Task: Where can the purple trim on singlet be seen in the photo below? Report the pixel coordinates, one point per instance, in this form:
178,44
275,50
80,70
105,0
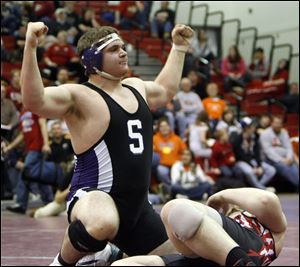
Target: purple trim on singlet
93,169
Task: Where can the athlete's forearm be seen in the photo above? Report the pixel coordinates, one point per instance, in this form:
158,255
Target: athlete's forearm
170,75
31,81
263,204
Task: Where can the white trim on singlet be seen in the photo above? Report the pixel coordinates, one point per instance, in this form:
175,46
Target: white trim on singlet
105,171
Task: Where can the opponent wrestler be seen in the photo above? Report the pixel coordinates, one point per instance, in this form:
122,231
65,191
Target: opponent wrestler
111,132
250,234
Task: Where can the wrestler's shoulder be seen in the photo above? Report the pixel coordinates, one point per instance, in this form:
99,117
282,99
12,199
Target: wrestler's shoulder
135,82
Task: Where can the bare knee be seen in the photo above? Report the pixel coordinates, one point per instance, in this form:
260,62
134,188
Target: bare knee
184,220
100,220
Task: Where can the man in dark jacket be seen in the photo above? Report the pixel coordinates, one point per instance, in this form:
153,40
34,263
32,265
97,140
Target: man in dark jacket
247,150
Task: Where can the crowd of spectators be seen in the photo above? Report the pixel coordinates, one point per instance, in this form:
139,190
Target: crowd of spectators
200,146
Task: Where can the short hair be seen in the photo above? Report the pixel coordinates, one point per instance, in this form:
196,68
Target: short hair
279,117
259,49
161,120
220,133
92,36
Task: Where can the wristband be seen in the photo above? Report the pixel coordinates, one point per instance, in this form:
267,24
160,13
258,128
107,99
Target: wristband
180,48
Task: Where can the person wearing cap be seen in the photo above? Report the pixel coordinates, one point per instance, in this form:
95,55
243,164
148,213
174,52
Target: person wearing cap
111,131
248,151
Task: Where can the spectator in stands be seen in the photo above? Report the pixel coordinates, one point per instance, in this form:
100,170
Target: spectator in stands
130,15
63,154
259,69
35,136
44,11
72,16
169,146
87,21
233,69
229,123
199,134
62,76
204,57
61,21
13,91
188,180
214,105
279,152
20,34
10,17
190,102
291,100
264,122
175,115
280,76
198,82
222,159
61,54
248,152
72,19
9,115
223,164
163,21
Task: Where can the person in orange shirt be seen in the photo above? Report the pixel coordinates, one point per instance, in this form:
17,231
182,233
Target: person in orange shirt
213,105
169,146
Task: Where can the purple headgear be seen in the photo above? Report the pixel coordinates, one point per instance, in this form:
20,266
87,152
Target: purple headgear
92,57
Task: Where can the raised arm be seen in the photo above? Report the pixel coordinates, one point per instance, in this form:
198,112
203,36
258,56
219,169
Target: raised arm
263,204
52,102
165,86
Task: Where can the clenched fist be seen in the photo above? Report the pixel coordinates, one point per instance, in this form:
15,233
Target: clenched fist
35,32
182,35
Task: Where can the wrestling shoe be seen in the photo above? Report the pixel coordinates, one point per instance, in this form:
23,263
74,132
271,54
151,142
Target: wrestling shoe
104,257
55,262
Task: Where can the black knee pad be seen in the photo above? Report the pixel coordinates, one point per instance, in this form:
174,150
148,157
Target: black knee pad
82,240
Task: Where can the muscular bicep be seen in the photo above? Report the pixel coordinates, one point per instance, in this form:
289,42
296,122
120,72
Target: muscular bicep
157,95
57,102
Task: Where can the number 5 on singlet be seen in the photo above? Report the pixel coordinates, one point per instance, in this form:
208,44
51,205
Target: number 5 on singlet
140,147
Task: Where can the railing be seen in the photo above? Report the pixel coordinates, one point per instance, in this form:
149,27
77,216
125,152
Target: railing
215,13
248,29
197,6
238,25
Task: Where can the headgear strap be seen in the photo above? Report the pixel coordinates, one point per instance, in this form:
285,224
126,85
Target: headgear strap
89,57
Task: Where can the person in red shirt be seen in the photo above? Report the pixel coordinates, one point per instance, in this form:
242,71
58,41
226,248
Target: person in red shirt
223,160
280,76
60,54
35,136
13,91
131,14
233,69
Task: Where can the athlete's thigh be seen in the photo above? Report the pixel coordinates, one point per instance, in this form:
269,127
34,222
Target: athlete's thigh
147,234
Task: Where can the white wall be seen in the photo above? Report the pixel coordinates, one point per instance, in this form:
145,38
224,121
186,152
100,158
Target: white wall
280,19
